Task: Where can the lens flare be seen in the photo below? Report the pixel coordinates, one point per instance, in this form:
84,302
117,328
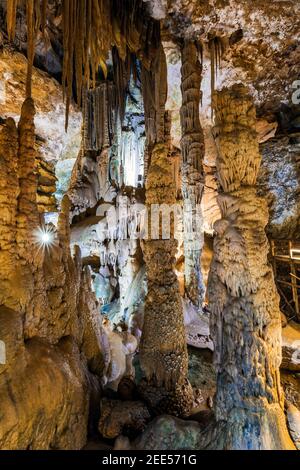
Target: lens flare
45,237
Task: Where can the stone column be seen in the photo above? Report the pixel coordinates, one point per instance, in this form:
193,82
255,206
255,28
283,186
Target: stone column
192,151
245,319
9,191
163,350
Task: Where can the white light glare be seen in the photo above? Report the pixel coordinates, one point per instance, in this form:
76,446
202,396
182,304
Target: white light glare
44,237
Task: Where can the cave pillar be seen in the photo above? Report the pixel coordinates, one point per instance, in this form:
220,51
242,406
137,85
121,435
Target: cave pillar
163,350
192,154
9,191
244,304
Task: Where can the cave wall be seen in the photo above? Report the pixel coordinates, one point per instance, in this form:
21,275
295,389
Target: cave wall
49,321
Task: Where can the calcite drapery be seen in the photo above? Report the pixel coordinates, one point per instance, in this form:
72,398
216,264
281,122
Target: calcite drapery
245,319
163,351
192,149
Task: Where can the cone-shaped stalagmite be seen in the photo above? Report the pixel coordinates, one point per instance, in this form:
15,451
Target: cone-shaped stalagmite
192,146
243,300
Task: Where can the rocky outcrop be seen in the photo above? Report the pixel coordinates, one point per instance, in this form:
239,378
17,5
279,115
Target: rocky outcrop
245,321
167,432
47,180
192,150
163,339
122,416
49,320
50,109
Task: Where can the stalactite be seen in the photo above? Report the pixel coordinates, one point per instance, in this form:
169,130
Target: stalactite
100,115
90,29
121,73
11,18
244,304
192,150
44,15
154,90
216,48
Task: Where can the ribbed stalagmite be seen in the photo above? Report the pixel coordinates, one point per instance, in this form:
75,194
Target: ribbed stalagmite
192,149
163,352
245,320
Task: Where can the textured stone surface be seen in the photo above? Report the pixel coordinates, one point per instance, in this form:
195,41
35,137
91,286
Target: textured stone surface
49,319
50,109
192,155
163,340
169,433
119,417
246,321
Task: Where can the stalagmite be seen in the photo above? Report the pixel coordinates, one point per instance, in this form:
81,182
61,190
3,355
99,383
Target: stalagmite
192,147
245,320
163,351
9,191
28,218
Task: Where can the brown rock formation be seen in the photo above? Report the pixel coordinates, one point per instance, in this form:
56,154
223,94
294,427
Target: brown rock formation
154,90
192,147
163,351
245,321
49,320
118,416
46,185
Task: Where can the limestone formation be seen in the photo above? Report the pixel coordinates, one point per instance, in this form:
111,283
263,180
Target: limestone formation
117,417
245,321
46,188
47,301
192,150
163,339
106,321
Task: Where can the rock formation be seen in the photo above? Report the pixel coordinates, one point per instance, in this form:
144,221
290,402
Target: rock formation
245,322
46,299
106,321
163,339
192,150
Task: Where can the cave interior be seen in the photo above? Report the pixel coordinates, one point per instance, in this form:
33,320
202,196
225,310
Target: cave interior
149,225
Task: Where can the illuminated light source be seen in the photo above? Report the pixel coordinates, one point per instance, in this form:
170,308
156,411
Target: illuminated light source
295,253
44,237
